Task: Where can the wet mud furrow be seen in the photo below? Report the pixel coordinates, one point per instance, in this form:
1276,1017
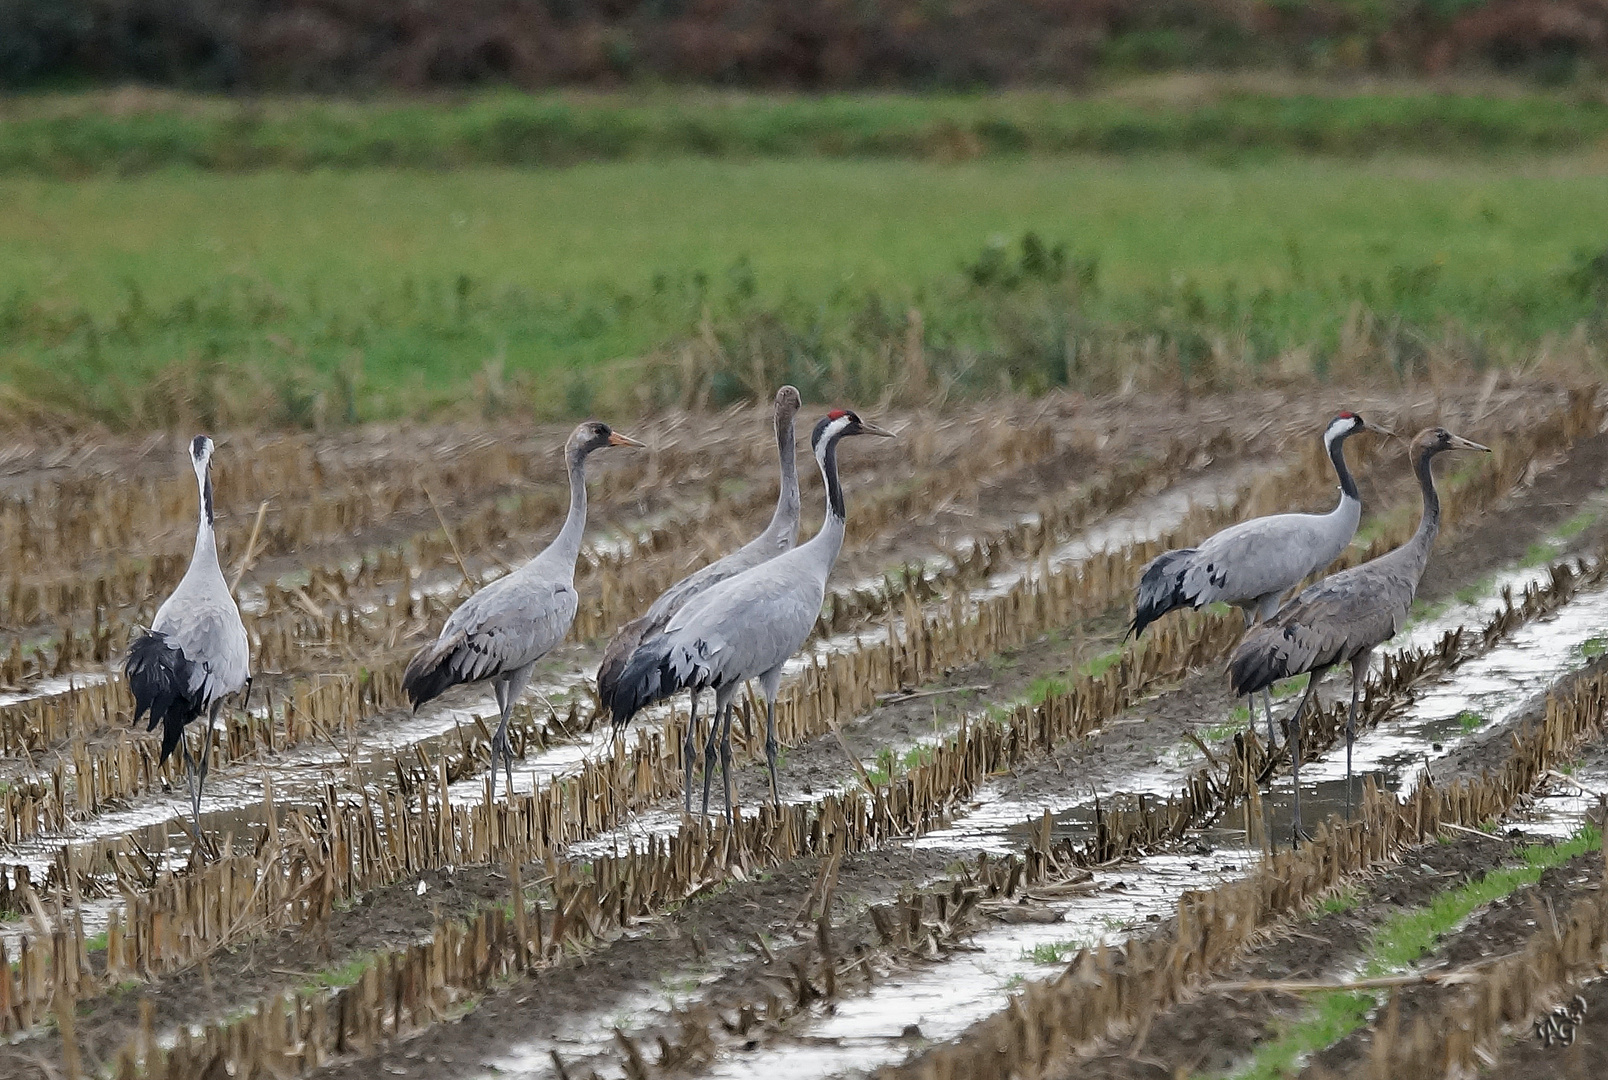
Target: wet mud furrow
439,788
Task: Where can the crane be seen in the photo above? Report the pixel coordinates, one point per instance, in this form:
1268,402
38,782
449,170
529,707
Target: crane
196,652
1254,563
749,625
779,536
1343,618
500,632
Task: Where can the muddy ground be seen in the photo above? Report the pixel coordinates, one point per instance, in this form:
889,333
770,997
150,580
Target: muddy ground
712,951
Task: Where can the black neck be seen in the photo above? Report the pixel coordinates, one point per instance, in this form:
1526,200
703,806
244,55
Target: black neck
1337,455
206,496
1426,484
829,470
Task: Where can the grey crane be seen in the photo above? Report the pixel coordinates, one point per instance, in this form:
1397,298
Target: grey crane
1254,563
1343,618
196,652
749,625
500,632
779,536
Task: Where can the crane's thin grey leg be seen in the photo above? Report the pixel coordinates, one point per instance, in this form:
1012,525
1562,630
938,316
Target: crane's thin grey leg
769,684
190,774
1266,607
771,749
725,766
206,759
1359,673
689,750
710,745
1297,833
499,687
508,688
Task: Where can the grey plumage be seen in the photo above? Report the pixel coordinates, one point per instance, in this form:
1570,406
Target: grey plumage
1343,618
749,625
1254,563
500,632
779,536
196,652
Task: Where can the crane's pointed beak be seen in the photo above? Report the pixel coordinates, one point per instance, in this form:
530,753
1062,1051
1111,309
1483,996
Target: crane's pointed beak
616,439
872,429
1459,443
1379,430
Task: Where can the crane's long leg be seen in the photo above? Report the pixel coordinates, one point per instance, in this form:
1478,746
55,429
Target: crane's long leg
689,750
508,689
499,687
770,683
1297,833
190,785
1359,673
725,766
710,745
1263,609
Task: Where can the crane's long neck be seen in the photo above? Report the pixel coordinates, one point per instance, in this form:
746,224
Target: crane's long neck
566,546
825,545
783,527
1418,547
206,540
1337,456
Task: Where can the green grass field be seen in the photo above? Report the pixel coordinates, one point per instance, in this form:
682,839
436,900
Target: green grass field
393,290
128,131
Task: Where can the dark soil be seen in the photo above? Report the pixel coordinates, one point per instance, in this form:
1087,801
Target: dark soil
1213,1031
1496,930
711,941
1586,1059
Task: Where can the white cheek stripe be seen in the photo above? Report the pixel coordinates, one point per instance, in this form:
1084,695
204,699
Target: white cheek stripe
826,436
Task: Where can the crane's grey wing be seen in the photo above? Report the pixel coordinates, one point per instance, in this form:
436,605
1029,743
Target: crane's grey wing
1329,623
509,627
208,632
510,623
677,596
1255,558
744,628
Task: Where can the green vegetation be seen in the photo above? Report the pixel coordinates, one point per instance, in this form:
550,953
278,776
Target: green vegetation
324,297
892,764
1338,903
1594,647
1052,952
343,974
1469,720
1228,729
1538,553
71,135
1474,592
1577,524
1396,945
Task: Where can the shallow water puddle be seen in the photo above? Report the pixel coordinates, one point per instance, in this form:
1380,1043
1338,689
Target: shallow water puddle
941,999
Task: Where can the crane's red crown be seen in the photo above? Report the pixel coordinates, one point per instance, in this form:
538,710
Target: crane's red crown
1347,416
837,414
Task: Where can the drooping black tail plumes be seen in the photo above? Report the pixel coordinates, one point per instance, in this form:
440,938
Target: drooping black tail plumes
615,658
432,671
1161,588
159,678
1259,662
647,678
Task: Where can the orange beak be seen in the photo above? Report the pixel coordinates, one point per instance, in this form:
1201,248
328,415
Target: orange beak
616,439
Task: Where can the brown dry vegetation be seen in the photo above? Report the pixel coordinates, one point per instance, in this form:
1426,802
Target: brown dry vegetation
362,891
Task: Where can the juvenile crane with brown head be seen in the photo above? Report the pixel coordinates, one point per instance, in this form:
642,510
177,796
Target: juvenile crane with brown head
1343,618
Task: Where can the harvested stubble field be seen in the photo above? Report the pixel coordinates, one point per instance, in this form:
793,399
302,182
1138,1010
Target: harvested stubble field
1051,857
